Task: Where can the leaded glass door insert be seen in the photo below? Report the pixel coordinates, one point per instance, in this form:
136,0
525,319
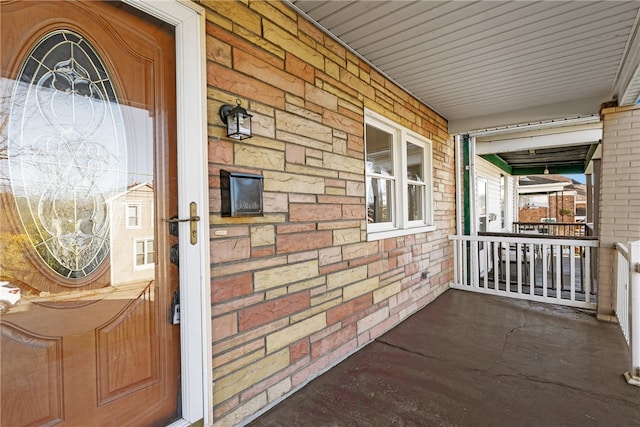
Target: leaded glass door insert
67,153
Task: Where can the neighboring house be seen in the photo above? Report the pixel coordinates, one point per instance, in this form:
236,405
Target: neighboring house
132,234
551,198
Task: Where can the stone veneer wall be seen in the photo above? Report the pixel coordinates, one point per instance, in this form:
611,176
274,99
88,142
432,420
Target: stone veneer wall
299,289
619,196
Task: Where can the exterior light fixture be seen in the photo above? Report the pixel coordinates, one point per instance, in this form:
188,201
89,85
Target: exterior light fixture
546,170
238,121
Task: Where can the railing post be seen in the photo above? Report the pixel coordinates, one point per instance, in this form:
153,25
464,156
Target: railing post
633,376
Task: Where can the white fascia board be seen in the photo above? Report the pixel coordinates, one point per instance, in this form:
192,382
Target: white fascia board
564,139
542,188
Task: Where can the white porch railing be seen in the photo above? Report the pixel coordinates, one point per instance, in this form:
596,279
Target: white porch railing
553,270
628,303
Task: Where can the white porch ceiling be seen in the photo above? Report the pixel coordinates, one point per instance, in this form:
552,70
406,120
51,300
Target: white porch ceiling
486,64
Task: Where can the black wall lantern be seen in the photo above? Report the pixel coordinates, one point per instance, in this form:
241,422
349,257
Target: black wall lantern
238,121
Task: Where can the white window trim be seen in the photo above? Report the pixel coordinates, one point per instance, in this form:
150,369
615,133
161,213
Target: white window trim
188,18
139,215
146,265
401,226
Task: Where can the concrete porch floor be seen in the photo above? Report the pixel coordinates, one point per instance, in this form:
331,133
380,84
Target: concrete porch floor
476,360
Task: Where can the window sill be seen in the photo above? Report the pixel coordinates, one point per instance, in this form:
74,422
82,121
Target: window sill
379,235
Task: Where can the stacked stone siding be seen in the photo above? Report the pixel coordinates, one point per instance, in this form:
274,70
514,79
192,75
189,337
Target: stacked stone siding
619,196
300,288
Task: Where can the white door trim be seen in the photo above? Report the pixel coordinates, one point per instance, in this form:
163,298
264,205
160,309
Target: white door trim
195,309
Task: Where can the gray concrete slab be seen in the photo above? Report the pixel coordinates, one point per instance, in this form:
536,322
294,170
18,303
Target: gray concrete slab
476,360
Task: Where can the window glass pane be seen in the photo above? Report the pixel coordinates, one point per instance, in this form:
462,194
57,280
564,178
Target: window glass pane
132,215
379,151
150,252
416,202
415,159
380,200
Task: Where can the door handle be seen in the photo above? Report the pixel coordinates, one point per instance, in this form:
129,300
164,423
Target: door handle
192,220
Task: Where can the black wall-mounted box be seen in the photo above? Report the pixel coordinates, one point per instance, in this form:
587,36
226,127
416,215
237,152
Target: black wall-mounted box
241,194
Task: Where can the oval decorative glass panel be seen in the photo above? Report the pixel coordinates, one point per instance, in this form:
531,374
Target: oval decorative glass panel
67,153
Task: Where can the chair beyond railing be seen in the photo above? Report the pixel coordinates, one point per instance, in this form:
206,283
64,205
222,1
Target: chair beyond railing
628,303
577,229
545,268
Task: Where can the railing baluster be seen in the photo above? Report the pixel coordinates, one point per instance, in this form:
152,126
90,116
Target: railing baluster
545,268
532,268
572,267
496,273
558,272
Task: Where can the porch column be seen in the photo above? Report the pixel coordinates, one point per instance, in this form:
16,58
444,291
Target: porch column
616,188
589,206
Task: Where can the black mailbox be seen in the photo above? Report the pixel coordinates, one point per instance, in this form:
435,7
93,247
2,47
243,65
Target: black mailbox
241,194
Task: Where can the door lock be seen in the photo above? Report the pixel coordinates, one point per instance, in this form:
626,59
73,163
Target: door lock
192,220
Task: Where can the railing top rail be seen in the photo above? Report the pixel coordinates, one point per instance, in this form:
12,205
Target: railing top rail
551,223
538,236
520,238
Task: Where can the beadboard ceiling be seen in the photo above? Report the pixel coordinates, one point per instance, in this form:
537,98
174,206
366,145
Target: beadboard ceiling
486,64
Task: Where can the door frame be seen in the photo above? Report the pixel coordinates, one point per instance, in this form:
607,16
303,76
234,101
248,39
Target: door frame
195,293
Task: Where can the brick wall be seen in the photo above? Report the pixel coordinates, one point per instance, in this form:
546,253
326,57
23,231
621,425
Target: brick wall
557,201
297,290
619,196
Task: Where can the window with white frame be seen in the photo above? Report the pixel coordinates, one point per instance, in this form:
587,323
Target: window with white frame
133,211
398,179
144,254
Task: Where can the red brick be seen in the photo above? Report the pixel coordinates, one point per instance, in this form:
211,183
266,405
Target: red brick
221,150
218,51
244,86
295,228
230,287
240,43
274,309
338,313
224,326
267,73
230,250
338,183
340,121
262,252
309,29
332,268
365,260
299,350
305,212
333,341
303,241
299,68
353,211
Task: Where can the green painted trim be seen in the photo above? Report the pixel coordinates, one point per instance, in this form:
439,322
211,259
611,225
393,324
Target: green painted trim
496,160
467,200
466,185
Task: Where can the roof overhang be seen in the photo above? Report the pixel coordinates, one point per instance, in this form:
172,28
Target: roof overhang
564,147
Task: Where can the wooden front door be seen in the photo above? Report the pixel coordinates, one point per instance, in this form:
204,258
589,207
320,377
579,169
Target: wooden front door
87,182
